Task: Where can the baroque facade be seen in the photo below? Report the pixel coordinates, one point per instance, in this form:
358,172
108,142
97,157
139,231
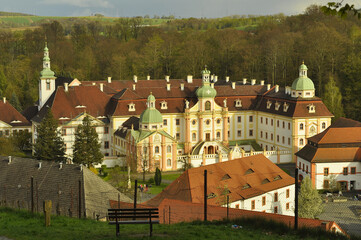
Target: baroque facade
167,123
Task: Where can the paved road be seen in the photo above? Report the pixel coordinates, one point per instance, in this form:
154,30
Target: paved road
344,214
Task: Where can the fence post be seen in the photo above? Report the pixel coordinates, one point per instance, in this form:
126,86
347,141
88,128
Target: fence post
296,198
205,195
32,194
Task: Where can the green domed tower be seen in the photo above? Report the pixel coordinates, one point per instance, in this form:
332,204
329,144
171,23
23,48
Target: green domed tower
303,86
151,118
206,91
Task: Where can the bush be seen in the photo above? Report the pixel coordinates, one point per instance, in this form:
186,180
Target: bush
158,177
150,181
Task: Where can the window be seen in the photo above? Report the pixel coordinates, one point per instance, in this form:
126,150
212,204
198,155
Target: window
275,209
306,168
163,105
47,85
106,130
278,138
278,123
277,106
194,137
283,124
263,200
239,118
266,121
250,118
253,204
261,119
271,136
326,184
208,105
177,135
229,134
261,134
301,126
269,104
165,122
266,135
208,121
303,167
169,149
353,170
239,133
106,144
194,122
323,125
238,103
131,107
287,193
289,126
7,132
285,107
237,206
63,131
299,167
345,170
218,134
177,122
275,197
287,206
154,126
251,133
289,141
283,139
301,141
271,122
156,149
218,121
169,162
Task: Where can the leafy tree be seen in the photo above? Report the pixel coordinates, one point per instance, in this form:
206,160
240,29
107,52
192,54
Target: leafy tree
309,201
3,82
14,101
157,177
22,140
340,9
333,98
86,149
49,145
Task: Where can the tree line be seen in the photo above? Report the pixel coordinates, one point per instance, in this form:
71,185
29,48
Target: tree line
272,50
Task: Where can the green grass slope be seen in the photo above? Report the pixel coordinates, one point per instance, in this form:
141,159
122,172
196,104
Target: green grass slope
23,225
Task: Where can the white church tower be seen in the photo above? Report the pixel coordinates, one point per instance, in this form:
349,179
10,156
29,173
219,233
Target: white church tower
47,80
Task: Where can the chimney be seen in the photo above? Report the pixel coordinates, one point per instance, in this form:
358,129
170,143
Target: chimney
253,81
167,78
277,88
135,78
262,82
189,79
109,79
168,86
227,79
244,81
81,167
4,99
182,86
215,78
9,160
212,85
93,83
148,77
268,87
39,165
66,87
134,87
101,85
60,165
233,85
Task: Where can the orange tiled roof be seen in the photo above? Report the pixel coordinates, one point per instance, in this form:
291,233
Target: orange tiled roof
11,116
324,155
234,175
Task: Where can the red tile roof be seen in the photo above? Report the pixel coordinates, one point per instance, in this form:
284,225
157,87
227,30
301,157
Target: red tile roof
11,116
189,186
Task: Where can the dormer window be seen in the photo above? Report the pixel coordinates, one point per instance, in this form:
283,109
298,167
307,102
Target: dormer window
311,108
163,105
238,103
269,104
249,171
285,107
277,106
246,186
131,107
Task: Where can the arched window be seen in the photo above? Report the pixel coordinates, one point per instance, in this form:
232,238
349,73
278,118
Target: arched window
169,149
218,135
194,136
301,126
301,142
208,105
145,150
156,149
169,162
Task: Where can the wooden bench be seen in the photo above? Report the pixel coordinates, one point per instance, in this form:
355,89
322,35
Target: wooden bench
133,216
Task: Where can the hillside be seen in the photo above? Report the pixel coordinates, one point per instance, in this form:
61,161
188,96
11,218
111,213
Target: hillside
26,226
13,14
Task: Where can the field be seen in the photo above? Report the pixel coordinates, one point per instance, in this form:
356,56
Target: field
19,224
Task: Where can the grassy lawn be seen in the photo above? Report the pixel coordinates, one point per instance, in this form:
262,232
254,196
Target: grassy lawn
170,176
24,225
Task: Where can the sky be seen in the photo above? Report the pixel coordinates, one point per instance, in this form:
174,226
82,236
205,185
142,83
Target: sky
178,8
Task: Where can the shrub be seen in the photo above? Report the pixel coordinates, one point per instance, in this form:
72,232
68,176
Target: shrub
158,177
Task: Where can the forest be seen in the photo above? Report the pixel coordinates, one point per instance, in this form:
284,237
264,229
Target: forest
269,48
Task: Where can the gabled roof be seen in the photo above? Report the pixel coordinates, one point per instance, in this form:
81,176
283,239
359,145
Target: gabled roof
189,186
9,115
333,154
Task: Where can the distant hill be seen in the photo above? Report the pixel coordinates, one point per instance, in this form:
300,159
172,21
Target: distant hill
14,14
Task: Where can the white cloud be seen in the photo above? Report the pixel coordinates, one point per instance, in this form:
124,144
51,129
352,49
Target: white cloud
79,3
